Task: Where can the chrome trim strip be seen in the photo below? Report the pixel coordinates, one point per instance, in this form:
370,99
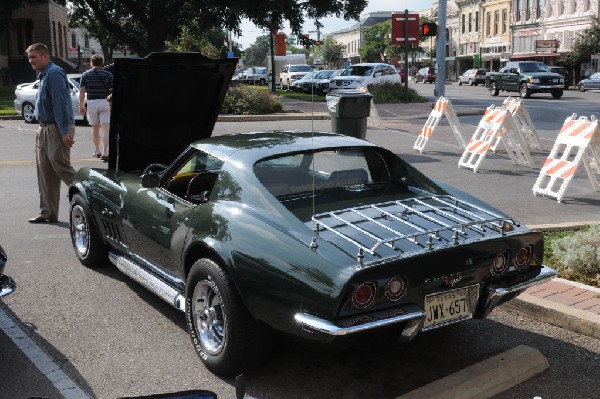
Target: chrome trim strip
310,322
546,274
151,282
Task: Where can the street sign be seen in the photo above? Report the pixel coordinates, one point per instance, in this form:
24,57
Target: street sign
400,33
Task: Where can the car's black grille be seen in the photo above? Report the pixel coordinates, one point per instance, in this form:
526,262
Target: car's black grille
549,81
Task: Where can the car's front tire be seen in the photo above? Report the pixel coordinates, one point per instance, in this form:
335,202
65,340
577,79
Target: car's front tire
524,91
226,338
494,89
557,93
459,82
27,113
86,240
581,87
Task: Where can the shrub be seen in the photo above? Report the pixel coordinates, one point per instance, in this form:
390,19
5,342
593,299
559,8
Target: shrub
393,93
250,100
579,253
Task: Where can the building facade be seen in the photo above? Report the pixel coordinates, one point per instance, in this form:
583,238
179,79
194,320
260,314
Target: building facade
496,34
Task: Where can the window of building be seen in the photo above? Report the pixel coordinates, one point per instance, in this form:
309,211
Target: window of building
488,23
86,41
538,10
470,22
528,11
73,40
462,24
476,21
550,9
496,22
504,20
518,6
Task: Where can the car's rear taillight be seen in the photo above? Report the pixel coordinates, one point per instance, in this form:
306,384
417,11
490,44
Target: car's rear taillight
396,288
523,256
500,264
363,295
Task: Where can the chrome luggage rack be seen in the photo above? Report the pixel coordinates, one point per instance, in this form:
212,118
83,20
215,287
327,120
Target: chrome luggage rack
406,225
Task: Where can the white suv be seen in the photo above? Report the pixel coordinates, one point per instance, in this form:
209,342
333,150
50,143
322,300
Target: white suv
359,75
290,73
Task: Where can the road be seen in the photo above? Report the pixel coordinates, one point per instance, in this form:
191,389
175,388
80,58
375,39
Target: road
112,338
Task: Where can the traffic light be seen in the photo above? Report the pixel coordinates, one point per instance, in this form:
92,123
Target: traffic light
428,29
305,41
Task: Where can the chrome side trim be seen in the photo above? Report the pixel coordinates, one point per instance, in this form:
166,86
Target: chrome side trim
313,323
152,283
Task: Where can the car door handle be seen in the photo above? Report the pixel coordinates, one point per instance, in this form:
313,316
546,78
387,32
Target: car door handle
106,212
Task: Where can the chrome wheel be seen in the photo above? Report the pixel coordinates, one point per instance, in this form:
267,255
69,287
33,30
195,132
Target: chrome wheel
80,231
28,113
209,317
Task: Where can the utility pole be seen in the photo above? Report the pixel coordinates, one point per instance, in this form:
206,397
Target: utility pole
440,51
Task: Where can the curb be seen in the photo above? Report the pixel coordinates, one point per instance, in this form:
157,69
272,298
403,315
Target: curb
486,378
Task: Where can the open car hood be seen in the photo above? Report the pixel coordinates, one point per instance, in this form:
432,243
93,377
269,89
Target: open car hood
161,104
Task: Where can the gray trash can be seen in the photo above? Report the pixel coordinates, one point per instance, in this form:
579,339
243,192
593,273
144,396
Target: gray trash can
349,110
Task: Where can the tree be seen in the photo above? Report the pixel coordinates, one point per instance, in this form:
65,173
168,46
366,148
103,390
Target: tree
256,54
211,43
587,44
331,52
146,25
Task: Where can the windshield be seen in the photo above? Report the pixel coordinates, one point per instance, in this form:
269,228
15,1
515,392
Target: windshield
300,68
323,74
534,67
261,71
358,70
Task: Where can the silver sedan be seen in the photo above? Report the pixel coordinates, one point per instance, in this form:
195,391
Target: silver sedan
25,100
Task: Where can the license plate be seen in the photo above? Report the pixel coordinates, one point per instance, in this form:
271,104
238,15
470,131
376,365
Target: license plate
447,307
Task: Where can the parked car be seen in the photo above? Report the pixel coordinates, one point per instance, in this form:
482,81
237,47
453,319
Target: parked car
76,77
310,85
317,235
296,85
562,72
591,83
402,73
526,78
25,100
255,75
425,75
292,72
473,77
7,284
322,86
364,74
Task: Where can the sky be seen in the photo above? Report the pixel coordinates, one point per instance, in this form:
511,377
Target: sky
250,31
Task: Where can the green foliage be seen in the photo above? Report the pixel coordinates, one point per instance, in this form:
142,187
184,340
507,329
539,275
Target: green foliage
393,93
193,39
575,254
250,100
7,95
256,54
332,51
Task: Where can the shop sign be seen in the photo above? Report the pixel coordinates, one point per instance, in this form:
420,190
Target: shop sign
546,45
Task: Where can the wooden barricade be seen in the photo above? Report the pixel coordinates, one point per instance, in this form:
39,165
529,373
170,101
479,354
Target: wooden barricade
442,106
577,142
494,123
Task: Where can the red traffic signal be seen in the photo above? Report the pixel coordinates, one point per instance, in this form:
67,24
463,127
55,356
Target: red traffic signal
428,29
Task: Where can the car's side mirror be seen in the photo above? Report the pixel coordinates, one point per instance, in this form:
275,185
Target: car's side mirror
513,70
150,180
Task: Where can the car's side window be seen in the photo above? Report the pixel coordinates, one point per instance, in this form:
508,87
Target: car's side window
195,179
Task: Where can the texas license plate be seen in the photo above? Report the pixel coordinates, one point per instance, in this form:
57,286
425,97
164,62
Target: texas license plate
447,307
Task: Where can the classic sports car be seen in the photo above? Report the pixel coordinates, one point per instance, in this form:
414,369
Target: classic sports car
318,235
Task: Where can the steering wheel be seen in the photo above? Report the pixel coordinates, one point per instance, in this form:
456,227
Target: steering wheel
154,168
199,188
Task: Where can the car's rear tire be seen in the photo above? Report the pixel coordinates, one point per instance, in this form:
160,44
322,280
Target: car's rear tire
470,82
581,87
524,91
226,338
27,112
86,240
557,93
494,89
459,82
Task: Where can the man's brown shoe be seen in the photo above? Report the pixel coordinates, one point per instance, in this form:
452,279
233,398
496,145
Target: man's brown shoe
40,219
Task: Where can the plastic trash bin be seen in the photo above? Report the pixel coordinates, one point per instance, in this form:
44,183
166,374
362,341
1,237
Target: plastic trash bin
349,111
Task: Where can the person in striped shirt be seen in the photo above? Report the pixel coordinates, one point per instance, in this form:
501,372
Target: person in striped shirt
97,84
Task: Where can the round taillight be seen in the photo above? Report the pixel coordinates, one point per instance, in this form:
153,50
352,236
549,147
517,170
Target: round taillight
363,295
522,257
500,264
396,288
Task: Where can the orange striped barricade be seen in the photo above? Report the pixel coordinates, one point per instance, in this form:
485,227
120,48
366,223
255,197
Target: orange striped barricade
521,116
495,122
442,106
578,140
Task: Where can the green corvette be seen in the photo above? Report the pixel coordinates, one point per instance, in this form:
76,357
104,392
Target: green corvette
317,235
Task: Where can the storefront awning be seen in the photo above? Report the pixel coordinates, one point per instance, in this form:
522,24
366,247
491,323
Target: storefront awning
534,55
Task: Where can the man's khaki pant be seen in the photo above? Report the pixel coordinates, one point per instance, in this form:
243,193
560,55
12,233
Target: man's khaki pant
53,158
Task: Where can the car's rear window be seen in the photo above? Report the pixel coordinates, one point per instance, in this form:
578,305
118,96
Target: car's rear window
300,68
358,70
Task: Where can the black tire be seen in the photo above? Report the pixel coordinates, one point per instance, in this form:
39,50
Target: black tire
557,93
470,82
459,82
224,335
494,89
581,87
27,112
524,91
86,240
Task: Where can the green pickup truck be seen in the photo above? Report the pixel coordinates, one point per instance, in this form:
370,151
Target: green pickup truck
527,78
